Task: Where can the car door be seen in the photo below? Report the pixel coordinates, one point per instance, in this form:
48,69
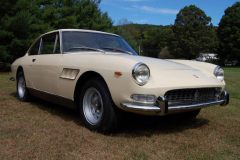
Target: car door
44,68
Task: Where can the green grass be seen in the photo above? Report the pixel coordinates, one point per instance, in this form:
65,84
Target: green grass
41,130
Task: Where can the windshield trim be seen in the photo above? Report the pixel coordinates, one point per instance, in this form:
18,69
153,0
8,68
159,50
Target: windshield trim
127,49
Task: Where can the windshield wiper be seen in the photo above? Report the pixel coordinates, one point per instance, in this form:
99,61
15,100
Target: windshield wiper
117,49
87,48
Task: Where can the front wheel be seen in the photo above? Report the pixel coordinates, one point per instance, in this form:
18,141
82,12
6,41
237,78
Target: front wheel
97,109
23,93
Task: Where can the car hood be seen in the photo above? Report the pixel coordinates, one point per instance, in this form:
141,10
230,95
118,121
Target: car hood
159,64
164,74
167,74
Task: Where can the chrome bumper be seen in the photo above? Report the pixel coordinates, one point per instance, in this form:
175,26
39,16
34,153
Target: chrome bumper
161,107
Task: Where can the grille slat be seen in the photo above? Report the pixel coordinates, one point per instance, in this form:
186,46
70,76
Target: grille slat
191,96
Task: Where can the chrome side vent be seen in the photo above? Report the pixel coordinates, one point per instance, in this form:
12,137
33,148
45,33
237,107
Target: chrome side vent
68,73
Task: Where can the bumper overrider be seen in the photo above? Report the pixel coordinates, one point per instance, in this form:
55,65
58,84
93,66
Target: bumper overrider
161,106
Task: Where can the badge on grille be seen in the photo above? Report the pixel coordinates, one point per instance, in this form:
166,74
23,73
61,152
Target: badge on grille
196,94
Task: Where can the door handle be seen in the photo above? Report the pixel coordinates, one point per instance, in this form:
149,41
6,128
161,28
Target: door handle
33,60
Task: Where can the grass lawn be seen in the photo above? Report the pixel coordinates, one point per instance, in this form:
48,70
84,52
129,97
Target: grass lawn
41,130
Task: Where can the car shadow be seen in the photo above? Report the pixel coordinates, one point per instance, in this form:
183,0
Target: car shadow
67,114
139,125
132,125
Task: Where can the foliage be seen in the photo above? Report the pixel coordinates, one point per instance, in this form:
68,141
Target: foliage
192,34
229,33
145,27
22,21
155,39
129,27
125,35
165,54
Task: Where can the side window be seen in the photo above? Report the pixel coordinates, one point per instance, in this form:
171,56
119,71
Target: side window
35,48
50,44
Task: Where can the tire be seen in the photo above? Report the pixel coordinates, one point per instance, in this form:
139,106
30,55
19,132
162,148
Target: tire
97,109
191,114
23,93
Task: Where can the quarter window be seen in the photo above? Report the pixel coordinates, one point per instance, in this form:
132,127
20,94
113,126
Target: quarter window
50,44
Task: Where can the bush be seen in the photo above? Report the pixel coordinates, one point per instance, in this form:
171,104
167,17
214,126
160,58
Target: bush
165,54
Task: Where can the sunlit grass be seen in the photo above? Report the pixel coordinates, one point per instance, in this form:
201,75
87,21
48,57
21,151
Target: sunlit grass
41,130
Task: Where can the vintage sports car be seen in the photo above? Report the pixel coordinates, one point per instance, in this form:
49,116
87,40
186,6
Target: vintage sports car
99,74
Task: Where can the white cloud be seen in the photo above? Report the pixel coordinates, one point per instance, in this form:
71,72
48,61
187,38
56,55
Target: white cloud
156,10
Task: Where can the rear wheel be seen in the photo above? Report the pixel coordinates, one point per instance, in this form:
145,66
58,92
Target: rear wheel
97,109
23,93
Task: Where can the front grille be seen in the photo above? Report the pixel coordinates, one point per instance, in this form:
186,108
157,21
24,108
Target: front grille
191,96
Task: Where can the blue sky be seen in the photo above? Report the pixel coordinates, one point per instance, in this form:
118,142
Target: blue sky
161,12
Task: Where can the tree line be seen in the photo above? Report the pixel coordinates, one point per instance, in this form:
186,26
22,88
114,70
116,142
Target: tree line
191,34
22,21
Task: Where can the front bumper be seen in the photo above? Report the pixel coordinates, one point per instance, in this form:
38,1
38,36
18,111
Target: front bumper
161,106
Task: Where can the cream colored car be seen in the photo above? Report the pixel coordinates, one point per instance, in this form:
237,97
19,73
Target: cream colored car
100,74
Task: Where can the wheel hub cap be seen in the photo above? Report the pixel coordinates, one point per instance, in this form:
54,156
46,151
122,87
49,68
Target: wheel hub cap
92,106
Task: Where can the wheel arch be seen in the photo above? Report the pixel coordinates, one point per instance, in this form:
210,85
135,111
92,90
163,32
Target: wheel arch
82,80
20,68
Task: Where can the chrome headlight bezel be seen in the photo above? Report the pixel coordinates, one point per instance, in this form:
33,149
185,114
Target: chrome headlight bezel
217,73
138,80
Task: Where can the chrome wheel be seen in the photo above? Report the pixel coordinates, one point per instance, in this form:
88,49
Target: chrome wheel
21,87
92,106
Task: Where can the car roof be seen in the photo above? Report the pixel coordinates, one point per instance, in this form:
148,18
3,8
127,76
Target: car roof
81,30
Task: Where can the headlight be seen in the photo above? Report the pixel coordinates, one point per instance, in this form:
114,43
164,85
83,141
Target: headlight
219,73
141,73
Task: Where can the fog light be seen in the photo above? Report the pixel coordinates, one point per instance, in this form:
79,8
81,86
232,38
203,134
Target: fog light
144,98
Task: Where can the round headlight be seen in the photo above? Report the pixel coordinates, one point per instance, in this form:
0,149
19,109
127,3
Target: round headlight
219,73
141,73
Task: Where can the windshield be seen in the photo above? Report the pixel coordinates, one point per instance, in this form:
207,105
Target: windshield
74,41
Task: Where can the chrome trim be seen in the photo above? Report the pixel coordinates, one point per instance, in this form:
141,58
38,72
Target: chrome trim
57,99
139,107
134,73
226,98
161,106
50,93
183,108
55,43
40,46
60,40
69,69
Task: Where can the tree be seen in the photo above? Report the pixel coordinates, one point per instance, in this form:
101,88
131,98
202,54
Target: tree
125,35
155,39
130,28
192,34
229,33
19,26
22,21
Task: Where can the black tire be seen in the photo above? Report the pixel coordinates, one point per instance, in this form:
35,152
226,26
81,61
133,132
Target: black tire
191,114
23,94
109,113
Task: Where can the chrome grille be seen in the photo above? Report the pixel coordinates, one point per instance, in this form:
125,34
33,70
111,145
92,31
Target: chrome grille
191,96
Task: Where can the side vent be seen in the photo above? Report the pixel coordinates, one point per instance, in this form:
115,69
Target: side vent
68,73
